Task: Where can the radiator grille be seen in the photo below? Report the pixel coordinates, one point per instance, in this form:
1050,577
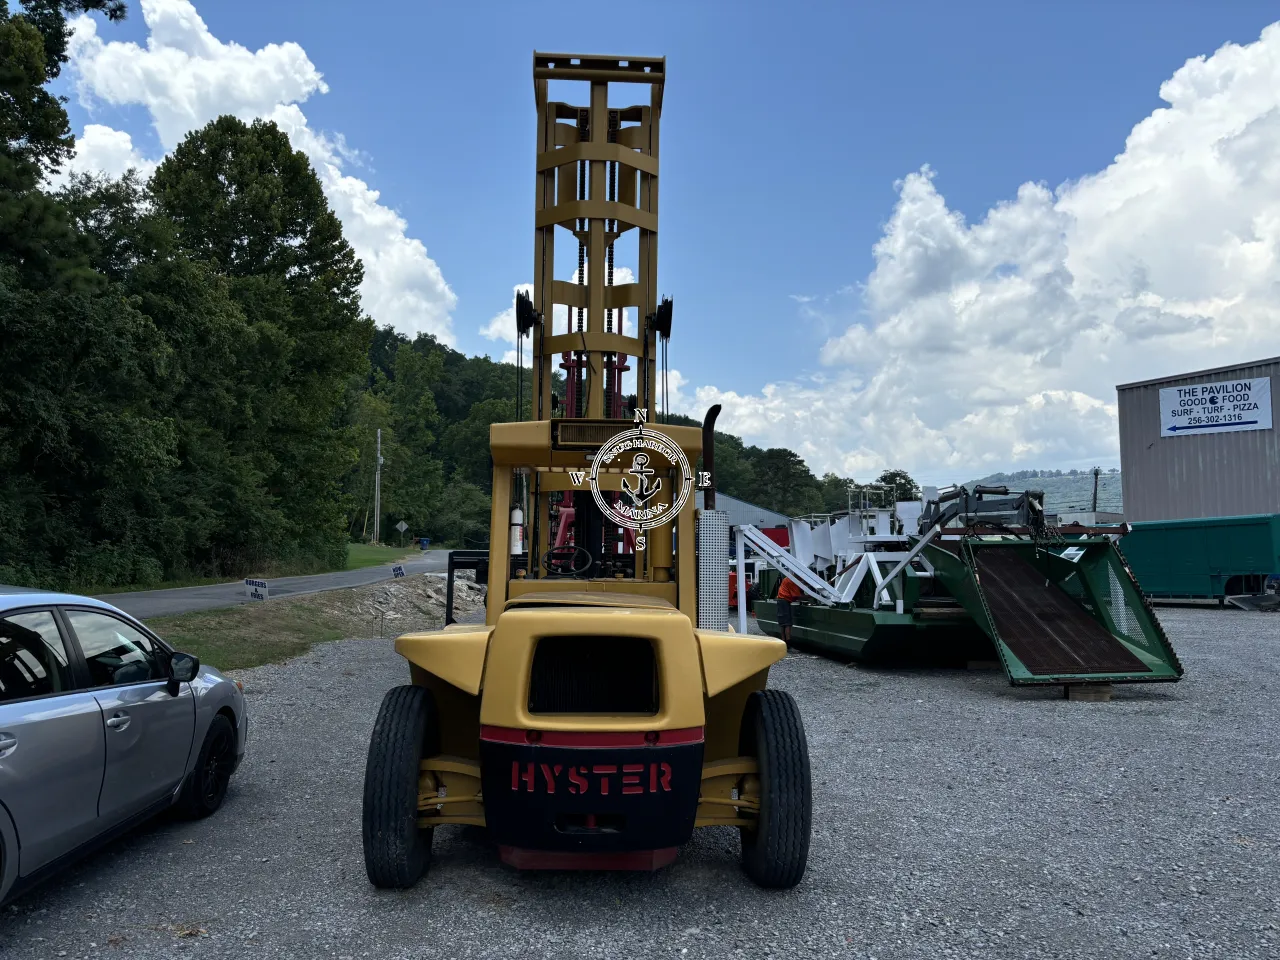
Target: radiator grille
592,434
594,675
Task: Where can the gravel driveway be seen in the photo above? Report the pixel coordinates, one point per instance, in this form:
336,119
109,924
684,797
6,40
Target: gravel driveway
956,817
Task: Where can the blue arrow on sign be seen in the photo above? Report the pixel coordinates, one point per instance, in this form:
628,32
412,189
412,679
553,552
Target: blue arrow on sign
1210,426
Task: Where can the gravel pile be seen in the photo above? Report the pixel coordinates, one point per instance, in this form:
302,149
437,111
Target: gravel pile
393,607
955,817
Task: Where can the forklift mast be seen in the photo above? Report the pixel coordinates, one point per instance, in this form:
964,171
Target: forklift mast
596,191
596,179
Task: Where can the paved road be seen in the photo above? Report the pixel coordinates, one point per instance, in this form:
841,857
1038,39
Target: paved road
955,817
160,603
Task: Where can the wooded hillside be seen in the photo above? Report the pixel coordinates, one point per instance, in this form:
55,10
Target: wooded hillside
189,385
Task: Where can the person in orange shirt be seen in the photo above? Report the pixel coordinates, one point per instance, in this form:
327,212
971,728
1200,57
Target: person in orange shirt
788,593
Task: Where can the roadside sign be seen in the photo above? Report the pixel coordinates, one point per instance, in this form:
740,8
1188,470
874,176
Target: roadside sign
256,589
402,526
1239,403
397,571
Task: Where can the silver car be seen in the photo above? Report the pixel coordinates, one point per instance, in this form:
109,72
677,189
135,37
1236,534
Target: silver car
102,725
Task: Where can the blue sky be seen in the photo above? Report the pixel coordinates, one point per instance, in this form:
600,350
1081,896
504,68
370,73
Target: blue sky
785,129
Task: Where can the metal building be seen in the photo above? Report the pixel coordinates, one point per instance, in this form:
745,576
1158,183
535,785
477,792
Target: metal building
1201,444
741,512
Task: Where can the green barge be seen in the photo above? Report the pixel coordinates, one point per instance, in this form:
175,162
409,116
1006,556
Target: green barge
1050,610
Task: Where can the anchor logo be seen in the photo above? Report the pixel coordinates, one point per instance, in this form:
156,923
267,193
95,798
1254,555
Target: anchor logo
637,509
643,492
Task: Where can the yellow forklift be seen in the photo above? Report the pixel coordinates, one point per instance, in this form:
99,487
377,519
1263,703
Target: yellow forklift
604,709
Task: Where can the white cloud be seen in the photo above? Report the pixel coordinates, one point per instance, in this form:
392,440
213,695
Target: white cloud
998,344
101,149
185,77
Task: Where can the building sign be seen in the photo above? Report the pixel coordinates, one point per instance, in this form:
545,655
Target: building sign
1225,406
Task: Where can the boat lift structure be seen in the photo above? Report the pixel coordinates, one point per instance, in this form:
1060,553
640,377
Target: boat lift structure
985,576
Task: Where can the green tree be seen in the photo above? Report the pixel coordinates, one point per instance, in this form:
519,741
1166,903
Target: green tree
35,238
383,348
372,412
901,485
33,48
417,477
83,449
400,399
466,444
462,517
242,199
412,399
472,379
441,405
734,474
835,493
217,512
785,483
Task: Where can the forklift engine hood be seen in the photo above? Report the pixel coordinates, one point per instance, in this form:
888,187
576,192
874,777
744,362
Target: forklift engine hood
458,653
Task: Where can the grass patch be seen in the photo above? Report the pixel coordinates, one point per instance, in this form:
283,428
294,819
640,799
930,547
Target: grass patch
250,635
360,555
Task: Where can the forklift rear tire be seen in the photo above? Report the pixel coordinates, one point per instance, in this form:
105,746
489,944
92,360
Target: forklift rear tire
396,849
776,849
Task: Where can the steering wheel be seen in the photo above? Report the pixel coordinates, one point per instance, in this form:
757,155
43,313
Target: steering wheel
567,560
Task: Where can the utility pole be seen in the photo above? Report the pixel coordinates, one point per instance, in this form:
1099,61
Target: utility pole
377,491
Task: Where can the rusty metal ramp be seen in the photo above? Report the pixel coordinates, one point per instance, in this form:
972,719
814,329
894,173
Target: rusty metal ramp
1066,613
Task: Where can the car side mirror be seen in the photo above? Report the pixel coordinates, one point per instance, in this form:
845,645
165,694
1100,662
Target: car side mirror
183,668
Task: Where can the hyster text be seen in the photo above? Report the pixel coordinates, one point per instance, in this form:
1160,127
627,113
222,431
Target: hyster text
605,779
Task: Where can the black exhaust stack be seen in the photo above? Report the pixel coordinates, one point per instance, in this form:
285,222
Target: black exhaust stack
709,456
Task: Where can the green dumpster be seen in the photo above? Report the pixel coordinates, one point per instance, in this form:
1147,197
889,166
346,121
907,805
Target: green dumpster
1210,557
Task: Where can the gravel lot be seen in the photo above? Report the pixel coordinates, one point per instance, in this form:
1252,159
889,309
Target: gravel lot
956,817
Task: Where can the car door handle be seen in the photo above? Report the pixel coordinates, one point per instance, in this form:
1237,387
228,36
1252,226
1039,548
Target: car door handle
119,721
8,742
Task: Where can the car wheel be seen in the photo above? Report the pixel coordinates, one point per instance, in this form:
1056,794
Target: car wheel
207,786
396,849
776,849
